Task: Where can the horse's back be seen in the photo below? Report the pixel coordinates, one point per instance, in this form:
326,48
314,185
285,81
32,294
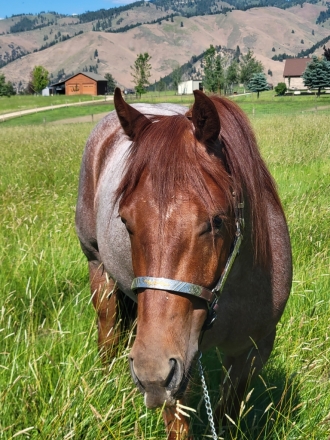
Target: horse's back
102,235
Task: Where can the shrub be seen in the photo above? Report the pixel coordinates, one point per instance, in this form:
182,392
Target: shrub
281,88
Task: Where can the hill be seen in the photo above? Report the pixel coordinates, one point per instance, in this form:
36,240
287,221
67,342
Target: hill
189,8
171,41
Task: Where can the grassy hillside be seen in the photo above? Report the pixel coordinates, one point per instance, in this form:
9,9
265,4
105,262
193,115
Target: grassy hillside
52,384
21,35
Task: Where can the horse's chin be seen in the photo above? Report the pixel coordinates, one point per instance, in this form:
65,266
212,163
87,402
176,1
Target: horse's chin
159,397
152,400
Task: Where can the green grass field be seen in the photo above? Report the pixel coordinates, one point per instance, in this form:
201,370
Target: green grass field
52,384
25,102
267,104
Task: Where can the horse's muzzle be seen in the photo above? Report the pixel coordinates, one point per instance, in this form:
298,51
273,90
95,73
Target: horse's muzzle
159,382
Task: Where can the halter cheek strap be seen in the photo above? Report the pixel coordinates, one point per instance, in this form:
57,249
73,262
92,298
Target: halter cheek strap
211,296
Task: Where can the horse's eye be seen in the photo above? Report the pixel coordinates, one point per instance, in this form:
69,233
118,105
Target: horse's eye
126,225
217,222
212,226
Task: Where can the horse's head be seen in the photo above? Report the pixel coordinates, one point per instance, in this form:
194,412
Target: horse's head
176,203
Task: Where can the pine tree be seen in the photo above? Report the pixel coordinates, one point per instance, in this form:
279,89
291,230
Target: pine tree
326,53
317,74
258,83
111,83
237,53
249,66
161,85
176,76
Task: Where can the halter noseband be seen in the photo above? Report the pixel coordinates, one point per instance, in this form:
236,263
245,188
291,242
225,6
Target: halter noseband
211,296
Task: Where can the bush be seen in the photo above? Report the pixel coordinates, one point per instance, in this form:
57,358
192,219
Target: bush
281,88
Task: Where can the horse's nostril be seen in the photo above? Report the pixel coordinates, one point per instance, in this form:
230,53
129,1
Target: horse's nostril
134,376
175,375
146,376
170,376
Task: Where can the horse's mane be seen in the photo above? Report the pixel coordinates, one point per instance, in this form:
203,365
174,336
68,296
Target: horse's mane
251,178
169,151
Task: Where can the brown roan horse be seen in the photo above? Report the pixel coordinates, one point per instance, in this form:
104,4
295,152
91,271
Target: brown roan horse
178,212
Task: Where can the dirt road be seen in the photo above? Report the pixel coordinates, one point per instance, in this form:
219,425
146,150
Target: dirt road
17,114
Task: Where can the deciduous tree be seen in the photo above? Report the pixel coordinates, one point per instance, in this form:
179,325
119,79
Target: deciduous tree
213,78
281,88
39,78
232,73
141,72
6,88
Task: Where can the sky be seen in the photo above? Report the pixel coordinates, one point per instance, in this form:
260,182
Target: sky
68,7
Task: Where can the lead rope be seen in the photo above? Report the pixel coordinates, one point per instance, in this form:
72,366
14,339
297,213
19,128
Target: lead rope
207,399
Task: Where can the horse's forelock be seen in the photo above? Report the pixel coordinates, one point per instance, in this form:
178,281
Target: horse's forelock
170,153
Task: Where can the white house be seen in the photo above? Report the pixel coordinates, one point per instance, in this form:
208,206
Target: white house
187,87
46,91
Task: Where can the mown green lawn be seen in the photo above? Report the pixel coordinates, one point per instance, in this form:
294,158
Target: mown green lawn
58,114
25,102
52,384
269,104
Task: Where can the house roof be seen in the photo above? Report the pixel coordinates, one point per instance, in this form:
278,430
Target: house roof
93,76
295,66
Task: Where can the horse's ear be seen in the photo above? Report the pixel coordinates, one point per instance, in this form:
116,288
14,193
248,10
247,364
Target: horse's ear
130,119
205,118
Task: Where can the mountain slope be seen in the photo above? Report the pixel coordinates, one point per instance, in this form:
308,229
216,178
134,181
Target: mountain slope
170,44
